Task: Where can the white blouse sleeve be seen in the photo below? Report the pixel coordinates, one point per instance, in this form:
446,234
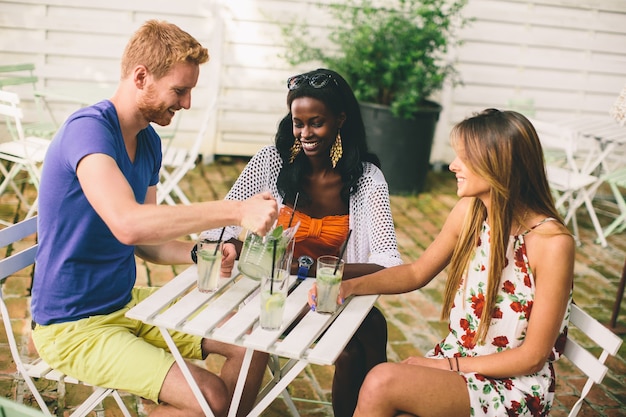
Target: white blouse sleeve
374,237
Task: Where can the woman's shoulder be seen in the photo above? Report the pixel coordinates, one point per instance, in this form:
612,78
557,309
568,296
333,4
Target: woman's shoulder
268,150
548,234
372,171
267,154
547,226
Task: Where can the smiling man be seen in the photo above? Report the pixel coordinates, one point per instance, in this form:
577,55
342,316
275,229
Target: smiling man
97,210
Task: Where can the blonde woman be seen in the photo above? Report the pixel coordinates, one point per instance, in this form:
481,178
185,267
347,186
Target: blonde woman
510,266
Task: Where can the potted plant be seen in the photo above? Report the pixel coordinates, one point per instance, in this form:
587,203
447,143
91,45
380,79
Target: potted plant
393,54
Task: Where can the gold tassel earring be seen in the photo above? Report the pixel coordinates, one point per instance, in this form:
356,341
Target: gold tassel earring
336,151
295,150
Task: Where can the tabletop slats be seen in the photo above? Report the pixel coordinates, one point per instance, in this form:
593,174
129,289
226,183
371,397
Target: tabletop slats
179,312
302,336
237,325
223,305
149,307
248,316
296,302
330,346
263,339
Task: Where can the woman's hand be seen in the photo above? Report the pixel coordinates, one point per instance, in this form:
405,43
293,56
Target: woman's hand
229,254
437,363
312,298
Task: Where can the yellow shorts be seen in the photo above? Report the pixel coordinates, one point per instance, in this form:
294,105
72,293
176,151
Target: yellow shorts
114,351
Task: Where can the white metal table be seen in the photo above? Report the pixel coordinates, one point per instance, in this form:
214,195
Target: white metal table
231,315
608,136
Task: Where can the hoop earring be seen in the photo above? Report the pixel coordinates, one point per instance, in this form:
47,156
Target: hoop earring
336,151
295,150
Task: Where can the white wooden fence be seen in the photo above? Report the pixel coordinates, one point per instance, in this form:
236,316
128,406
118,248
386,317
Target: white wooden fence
559,57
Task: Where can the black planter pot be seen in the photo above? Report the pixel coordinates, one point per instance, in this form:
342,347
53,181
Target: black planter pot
402,145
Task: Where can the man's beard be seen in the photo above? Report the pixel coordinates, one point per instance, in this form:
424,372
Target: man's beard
153,112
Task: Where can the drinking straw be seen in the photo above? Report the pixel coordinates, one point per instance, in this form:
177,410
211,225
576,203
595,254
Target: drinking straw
219,240
273,266
295,201
341,252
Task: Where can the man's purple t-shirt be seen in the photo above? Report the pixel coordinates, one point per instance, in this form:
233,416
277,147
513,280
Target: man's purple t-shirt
81,269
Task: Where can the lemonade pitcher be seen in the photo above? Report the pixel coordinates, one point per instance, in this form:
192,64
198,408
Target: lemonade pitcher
255,259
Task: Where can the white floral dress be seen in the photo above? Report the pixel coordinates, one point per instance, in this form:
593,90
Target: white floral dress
529,395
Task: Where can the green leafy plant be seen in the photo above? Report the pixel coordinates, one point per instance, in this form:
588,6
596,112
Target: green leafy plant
392,52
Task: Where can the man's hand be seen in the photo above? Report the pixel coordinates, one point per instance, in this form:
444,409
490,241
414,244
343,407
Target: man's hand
258,213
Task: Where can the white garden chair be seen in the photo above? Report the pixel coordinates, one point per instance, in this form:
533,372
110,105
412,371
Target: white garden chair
20,152
177,162
11,238
21,79
593,367
573,187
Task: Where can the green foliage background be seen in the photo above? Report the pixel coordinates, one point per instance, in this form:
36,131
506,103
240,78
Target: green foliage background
392,52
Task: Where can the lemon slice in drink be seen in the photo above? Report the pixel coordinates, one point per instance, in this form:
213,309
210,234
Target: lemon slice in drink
276,300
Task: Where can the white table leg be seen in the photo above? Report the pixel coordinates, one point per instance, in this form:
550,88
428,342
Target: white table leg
272,394
186,372
241,381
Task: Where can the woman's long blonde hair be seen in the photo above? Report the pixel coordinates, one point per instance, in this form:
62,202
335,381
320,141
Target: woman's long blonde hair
504,149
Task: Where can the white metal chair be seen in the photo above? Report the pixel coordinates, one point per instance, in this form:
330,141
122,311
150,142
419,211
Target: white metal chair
593,367
177,161
21,153
15,76
617,181
572,187
11,238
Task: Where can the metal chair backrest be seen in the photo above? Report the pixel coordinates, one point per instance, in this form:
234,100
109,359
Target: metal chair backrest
20,152
572,187
593,367
13,75
20,243
21,79
12,113
177,161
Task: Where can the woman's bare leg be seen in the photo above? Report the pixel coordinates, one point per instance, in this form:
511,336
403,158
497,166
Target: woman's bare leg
392,389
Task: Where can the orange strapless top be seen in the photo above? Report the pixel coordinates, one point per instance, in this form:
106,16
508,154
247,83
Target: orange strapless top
316,237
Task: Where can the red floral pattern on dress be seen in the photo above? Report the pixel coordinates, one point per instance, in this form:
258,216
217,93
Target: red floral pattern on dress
529,395
500,341
478,302
508,287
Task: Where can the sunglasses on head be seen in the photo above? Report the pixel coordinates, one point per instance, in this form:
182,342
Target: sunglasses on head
315,81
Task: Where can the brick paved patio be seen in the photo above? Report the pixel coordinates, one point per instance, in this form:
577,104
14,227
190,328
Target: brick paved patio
413,319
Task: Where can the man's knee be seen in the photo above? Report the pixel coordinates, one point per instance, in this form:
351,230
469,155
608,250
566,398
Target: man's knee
175,391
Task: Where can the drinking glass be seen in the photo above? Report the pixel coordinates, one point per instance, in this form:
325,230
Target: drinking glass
328,280
209,264
273,296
